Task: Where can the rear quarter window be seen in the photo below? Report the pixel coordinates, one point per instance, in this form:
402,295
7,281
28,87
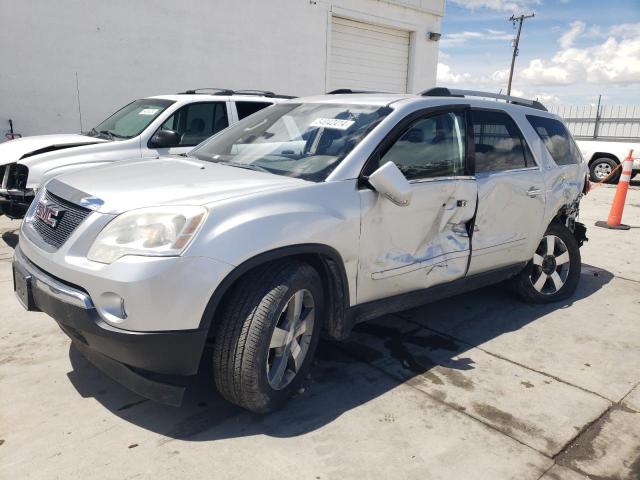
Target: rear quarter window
556,138
248,108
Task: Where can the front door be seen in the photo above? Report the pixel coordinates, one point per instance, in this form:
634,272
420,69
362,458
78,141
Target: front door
511,193
195,123
407,248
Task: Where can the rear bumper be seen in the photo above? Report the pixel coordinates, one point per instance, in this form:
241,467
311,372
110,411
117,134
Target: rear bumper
127,356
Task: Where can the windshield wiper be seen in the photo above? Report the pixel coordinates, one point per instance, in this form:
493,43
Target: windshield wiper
248,166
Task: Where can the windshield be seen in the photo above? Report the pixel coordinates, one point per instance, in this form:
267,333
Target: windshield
305,141
130,121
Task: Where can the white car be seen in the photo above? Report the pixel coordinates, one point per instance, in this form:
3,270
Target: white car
145,128
604,156
314,214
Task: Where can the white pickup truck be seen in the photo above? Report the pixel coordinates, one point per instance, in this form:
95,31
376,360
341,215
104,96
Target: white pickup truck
603,156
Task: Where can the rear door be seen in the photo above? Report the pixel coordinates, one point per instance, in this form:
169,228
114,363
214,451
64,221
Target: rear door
511,193
407,248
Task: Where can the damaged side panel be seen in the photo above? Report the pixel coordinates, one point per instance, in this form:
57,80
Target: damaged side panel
416,246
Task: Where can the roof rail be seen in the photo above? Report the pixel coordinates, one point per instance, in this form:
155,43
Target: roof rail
227,91
340,91
264,93
209,90
447,92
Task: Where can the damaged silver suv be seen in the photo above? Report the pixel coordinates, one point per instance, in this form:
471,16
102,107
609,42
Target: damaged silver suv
311,215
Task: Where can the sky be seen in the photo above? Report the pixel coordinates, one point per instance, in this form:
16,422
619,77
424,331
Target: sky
570,52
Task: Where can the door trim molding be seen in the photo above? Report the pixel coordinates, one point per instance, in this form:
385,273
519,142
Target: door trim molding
419,265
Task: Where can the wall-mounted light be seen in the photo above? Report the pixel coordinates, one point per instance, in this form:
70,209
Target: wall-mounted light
434,36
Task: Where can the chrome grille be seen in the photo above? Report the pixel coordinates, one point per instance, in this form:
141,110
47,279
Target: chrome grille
70,218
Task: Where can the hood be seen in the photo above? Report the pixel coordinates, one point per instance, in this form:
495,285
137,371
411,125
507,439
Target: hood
120,187
25,147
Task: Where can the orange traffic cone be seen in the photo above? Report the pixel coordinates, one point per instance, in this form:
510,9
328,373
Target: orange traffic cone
615,215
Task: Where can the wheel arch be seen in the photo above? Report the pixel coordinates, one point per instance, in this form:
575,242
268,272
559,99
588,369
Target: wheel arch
325,259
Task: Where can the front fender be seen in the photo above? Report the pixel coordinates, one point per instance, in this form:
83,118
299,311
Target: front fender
324,214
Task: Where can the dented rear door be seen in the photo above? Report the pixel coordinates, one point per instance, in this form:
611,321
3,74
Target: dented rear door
407,248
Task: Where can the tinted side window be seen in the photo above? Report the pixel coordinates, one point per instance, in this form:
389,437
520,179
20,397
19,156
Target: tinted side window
197,122
247,108
498,142
556,138
430,147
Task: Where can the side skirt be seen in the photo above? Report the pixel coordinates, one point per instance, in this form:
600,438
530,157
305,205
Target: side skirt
377,308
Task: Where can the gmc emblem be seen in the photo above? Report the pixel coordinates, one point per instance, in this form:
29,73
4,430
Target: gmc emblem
49,214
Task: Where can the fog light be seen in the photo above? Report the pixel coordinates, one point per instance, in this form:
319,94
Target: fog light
111,305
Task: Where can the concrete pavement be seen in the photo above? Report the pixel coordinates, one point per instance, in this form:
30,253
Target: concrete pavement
480,386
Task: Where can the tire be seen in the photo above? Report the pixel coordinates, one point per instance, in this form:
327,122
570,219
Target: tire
539,281
601,167
256,315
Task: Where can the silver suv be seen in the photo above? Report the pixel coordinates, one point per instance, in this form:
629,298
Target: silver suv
311,215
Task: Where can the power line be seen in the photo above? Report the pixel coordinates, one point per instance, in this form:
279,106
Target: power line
520,19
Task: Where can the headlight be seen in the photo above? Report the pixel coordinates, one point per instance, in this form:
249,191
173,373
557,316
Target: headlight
155,231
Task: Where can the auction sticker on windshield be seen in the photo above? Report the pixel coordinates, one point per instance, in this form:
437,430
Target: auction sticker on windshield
335,123
148,111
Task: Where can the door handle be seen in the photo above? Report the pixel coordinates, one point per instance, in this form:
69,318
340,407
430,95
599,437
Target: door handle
534,192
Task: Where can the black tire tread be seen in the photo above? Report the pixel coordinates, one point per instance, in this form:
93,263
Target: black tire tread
246,312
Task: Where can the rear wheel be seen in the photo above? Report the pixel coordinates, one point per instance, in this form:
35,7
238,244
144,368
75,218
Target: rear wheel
601,168
267,335
554,271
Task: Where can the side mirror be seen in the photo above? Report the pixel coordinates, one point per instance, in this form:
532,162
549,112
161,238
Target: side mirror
165,139
389,181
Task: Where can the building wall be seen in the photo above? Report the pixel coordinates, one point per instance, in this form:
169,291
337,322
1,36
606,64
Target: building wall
126,49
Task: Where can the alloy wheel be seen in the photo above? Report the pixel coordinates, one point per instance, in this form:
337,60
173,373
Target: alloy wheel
551,264
290,340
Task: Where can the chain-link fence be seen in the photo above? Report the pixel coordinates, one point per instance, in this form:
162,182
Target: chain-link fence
609,122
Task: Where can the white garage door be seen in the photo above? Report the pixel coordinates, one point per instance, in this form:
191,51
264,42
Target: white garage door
369,57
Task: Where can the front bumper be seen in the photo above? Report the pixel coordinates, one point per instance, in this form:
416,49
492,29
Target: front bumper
129,357
15,203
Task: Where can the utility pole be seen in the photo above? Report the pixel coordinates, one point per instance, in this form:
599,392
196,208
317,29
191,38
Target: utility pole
520,19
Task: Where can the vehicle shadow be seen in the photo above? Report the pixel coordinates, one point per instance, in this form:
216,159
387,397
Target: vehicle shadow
342,377
10,238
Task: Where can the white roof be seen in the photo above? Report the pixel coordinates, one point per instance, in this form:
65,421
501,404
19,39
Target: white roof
182,97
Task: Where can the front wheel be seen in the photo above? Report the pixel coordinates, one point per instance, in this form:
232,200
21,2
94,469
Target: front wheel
267,335
554,271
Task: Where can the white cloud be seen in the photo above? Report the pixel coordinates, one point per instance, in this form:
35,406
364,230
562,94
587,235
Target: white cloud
514,6
459,38
576,29
616,61
590,59
446,77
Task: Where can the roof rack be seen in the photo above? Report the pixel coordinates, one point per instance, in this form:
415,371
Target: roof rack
264,93
446,92
341,91
209,90
227,91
